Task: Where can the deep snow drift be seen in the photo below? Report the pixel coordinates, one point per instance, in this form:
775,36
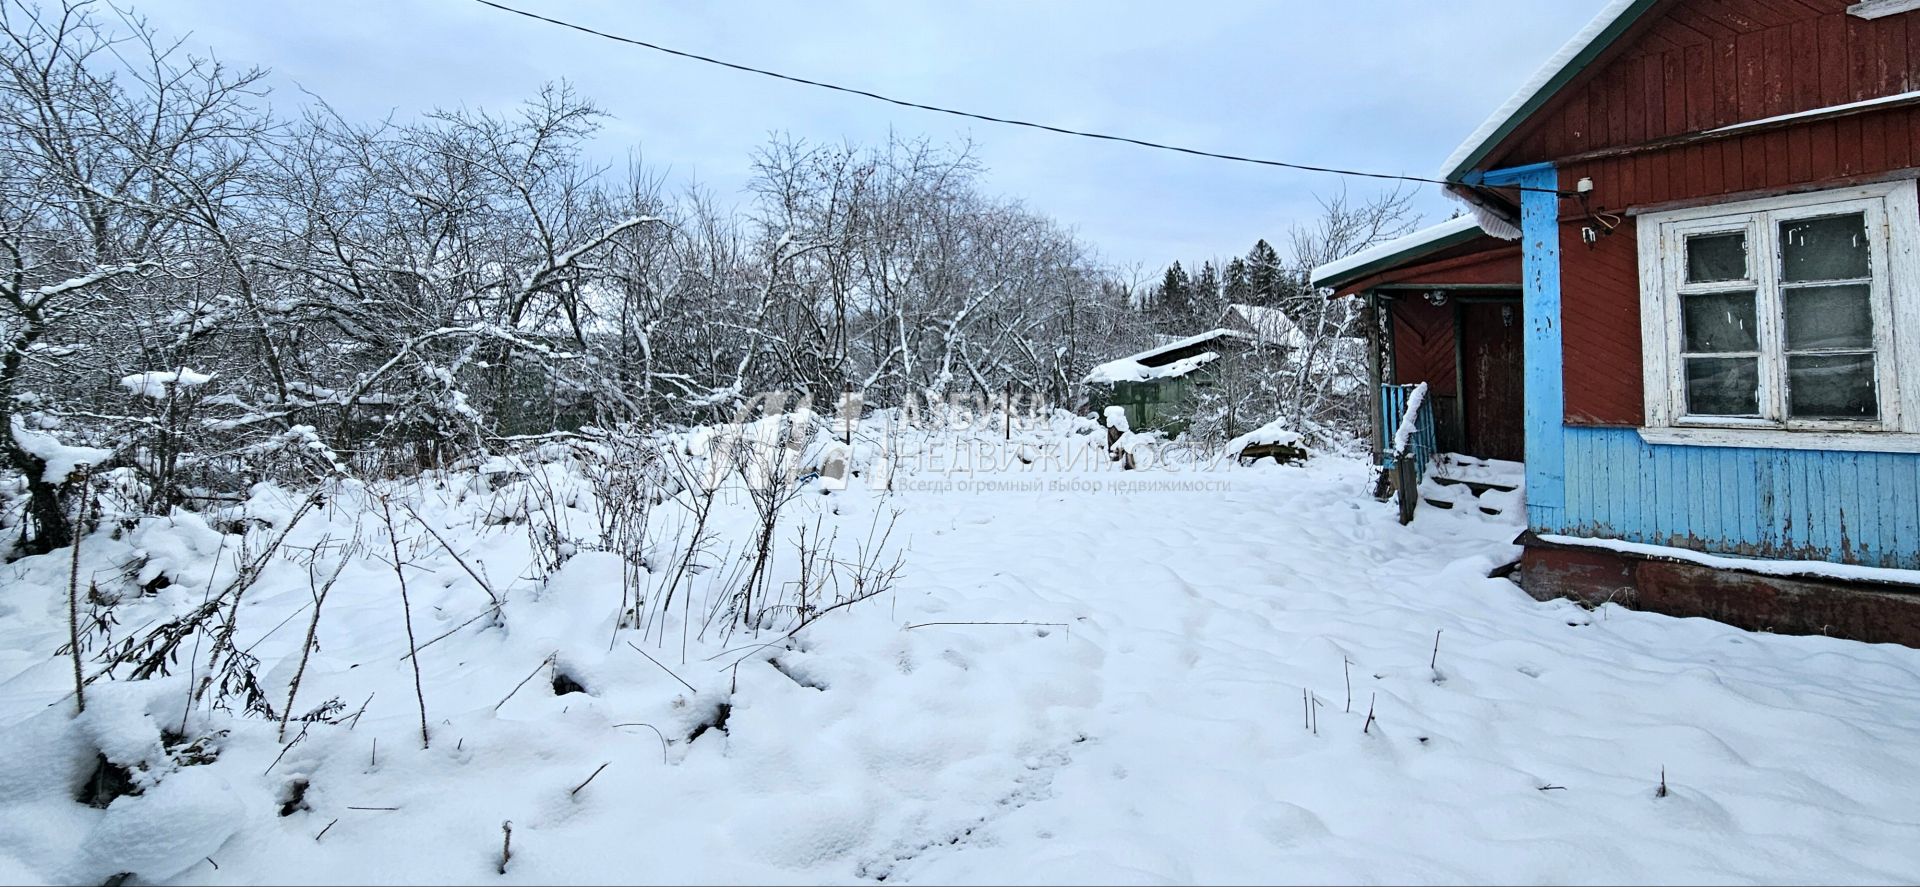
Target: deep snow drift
1070,680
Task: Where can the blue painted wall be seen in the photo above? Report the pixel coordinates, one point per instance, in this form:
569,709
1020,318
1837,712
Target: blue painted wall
1848,507
1861,508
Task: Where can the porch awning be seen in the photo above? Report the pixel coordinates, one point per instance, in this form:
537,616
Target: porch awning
1425,242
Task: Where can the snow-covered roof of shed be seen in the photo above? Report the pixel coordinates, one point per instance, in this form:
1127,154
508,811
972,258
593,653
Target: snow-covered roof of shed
1126,369
1436,237
1136,368
1187,342
1572,58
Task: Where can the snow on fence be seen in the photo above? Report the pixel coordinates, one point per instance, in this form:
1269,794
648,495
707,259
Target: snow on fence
1406,411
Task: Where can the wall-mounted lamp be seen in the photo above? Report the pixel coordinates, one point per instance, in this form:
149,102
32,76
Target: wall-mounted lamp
1436,298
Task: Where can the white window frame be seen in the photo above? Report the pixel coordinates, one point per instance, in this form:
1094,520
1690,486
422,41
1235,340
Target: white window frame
1892,211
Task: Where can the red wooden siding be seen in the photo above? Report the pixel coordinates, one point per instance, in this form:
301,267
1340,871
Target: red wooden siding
1810,153
1486,261
1600,285
1701,64
1600,327
1691,66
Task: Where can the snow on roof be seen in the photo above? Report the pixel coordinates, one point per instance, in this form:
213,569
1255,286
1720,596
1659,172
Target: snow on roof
1188,342
1612,21
1270,324
1392,248
1491,222
1140,367
1128,369
1544,83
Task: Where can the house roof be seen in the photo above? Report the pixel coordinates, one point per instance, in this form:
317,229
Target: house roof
1561,69
1269,324
1426,241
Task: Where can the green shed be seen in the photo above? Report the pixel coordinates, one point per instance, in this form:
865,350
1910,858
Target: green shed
1153,384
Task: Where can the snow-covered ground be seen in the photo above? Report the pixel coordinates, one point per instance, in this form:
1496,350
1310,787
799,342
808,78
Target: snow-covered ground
1070,682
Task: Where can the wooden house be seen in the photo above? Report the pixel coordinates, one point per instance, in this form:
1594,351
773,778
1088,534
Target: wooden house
1702,216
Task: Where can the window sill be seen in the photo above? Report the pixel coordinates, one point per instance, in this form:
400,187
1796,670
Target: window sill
1776,439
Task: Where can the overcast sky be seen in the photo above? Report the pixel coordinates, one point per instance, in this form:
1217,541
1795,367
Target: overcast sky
1385,85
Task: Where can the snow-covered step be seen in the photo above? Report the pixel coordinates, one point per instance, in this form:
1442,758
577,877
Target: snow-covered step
1490,499
1477,486
1480,475
1447,496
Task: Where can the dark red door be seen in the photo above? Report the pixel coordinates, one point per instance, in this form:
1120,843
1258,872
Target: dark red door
1424,345
1491,339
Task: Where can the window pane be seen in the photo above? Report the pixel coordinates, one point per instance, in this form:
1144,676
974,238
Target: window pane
1716,257
1831,386
1829,317
1720,322
1723,386
1832,248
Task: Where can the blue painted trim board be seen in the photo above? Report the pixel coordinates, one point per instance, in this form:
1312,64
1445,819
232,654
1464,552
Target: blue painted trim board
1540,285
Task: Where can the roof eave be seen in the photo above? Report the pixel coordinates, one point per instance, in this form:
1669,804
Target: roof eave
1572,69
1391,260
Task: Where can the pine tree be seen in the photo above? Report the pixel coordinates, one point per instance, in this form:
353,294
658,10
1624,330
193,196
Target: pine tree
1264,275
1204,303
1235,284
1173,302
1265,280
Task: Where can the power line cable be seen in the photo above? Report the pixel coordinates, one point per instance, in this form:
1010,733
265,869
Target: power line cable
1143,143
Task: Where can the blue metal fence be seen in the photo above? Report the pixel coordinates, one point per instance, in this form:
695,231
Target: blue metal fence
1420,444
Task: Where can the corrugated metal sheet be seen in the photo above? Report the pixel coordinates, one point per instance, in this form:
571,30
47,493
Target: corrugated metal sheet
1846,507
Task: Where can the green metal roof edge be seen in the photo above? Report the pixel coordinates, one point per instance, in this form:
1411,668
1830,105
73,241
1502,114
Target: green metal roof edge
1416,251
1552,87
